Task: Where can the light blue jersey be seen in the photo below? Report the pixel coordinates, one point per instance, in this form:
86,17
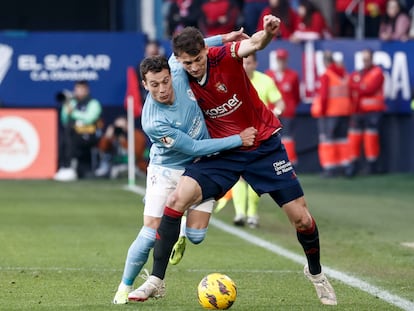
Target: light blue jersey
178,132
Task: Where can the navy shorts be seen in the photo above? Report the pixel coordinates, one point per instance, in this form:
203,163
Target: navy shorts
267,169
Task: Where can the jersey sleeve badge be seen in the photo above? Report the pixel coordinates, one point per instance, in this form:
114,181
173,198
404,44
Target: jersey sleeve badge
167,141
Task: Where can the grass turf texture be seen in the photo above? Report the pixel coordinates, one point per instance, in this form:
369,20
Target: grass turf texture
63,246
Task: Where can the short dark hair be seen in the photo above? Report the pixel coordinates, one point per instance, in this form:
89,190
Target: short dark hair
82,82
153,64
190,41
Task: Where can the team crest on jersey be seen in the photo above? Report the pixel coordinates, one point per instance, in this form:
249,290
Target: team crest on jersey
167,141
191,94
221,87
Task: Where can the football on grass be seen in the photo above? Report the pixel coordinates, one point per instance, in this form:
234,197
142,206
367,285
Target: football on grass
217,291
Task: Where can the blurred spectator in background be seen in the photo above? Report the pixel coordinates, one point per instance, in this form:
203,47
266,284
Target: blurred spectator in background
113,150
287,82
374,10
153,48
332,107
81,128
344,27
311,25
251,13
367,97
288,16
218,16
182,13
395,23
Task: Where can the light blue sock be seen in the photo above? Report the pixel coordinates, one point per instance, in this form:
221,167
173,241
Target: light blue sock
196,236
138,254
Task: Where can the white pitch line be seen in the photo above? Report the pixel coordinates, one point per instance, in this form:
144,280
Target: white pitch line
408,244
349,280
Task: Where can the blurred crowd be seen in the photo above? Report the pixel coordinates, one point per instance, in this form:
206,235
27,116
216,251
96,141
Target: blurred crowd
301,19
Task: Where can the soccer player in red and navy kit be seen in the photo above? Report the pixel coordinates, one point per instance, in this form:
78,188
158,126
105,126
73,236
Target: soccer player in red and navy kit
230,103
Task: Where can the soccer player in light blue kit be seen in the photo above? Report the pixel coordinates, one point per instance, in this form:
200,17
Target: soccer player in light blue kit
175,124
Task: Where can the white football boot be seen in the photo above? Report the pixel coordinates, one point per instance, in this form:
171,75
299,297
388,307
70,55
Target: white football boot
153,287
324,289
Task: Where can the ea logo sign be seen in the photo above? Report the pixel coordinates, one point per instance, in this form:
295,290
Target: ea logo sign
6,53
19,144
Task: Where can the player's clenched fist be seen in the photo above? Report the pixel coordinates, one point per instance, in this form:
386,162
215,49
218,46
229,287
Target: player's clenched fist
271,24
248,136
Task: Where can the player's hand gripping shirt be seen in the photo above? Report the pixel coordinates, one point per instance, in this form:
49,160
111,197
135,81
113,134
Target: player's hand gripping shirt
228,99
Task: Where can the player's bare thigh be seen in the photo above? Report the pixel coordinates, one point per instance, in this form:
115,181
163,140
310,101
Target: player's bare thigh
187,193
298,213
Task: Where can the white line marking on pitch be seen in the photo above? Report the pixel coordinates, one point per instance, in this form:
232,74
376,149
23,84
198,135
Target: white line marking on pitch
395,300
408,244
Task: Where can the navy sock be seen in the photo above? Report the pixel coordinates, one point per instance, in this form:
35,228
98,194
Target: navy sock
167,235
309,239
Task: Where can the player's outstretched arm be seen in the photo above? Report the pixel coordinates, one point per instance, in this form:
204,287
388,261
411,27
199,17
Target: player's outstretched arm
180,141
185,144
260,39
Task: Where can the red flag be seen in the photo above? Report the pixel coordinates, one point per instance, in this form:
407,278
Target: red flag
133,92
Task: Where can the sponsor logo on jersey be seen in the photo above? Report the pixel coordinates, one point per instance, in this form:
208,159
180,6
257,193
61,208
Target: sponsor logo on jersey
6,53
224,109
221,87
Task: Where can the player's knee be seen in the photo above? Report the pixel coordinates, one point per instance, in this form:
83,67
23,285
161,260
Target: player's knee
196,236
303,222
172,199
177,202
299,214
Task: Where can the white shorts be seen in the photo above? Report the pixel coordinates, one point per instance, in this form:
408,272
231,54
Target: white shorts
161,181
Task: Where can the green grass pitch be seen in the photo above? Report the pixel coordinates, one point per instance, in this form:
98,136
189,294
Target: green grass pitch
63,246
